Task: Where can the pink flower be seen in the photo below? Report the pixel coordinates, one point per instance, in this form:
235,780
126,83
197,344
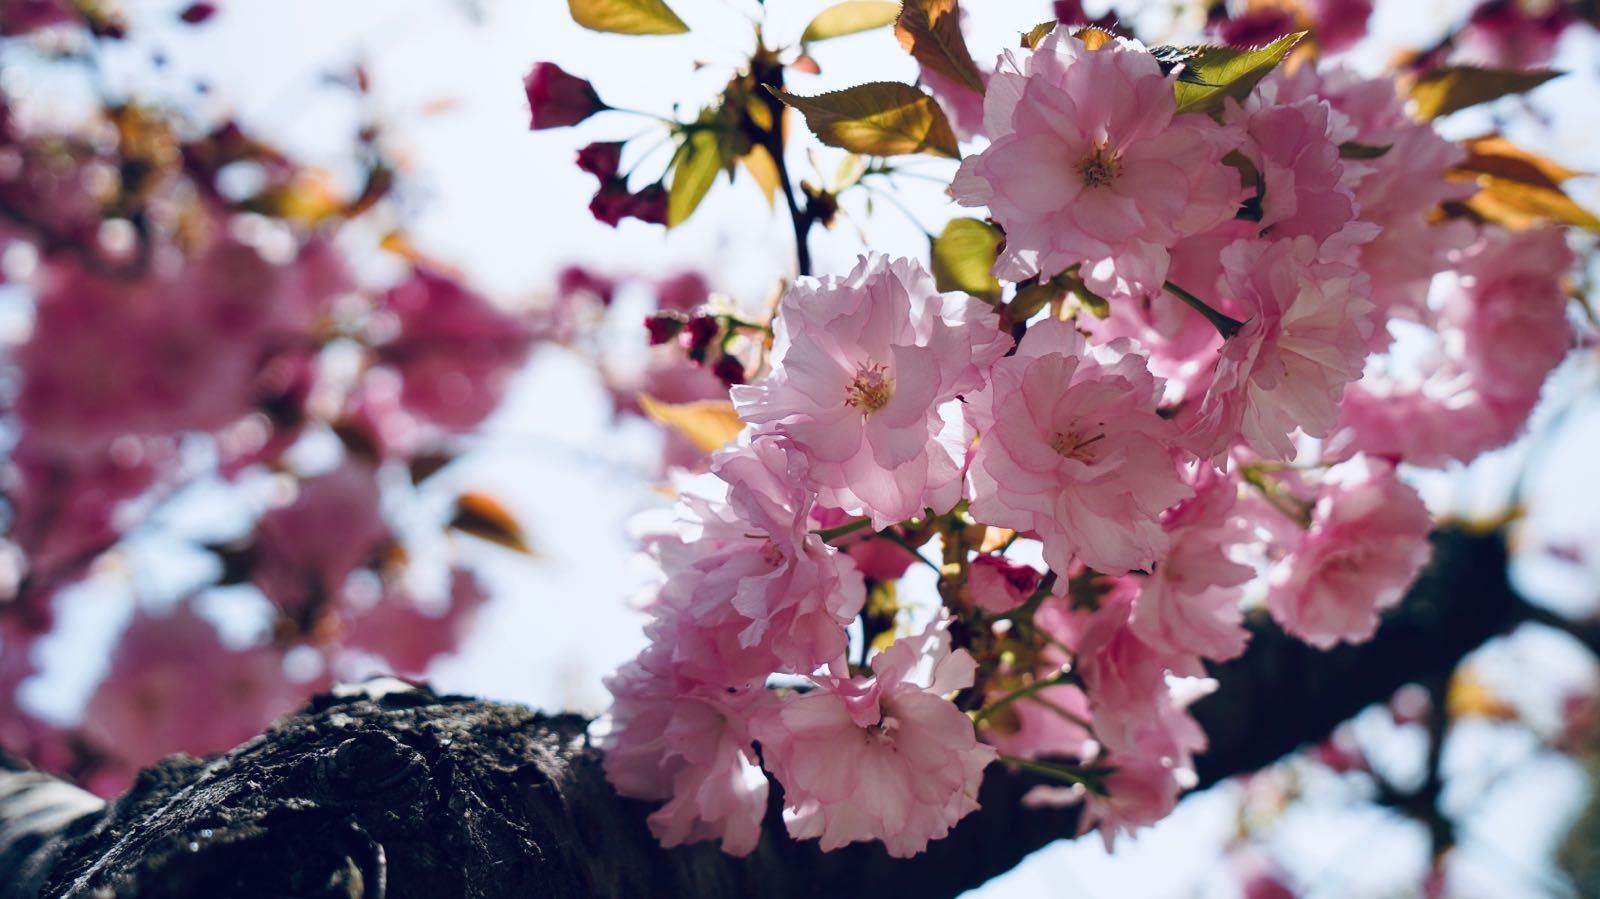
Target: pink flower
1089,165
1305,339
1506,299
999,585
1138,792
173,687
1071,448
1126,680
557,99
1505,34
749,589
880,758
408,632
1398,191
210,319
962,105
1502,326
454,350
305,551
1295,149
1190,603
667,737
1367,541
866,377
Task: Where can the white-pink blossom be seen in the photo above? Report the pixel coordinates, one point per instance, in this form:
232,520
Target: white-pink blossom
1305,338
1367,541
1190,603
748,589
886,757
669,737
866,375
1090,165
1072,448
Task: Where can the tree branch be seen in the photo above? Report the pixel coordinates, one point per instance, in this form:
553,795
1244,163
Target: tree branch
400,794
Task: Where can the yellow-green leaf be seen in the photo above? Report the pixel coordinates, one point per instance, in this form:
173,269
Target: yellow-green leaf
850,17
759,163
1214,74
1518,205
882,118
1449,89
694,169
708,424
930,30
1037,33
626,16
484,517
963,256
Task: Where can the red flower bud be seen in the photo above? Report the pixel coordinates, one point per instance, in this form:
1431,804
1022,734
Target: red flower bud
557,99
698,334
663,326
196,13
610,203
730,370
601,159
649,205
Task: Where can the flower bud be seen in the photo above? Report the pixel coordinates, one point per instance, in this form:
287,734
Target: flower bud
601,159
557,99
663,326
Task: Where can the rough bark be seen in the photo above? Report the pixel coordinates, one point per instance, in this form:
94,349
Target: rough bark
406,794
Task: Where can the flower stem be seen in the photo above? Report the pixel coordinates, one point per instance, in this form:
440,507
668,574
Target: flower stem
1225,326
1054,680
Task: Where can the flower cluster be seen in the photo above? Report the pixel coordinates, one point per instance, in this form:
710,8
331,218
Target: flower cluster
1105,494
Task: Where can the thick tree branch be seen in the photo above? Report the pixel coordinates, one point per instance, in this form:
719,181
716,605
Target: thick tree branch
407,794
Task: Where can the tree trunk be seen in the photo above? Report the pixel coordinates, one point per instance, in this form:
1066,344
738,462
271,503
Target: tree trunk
385,791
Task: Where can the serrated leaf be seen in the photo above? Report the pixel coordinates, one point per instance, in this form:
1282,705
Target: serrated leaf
1352,150
1094,38
963,257
1037,33
882,118
694,169
930,30
708,424
1224,72
1448,89
850,17
484,517
626,16
759,163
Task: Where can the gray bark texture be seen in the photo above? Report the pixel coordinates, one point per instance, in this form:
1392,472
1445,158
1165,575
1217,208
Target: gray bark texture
384,791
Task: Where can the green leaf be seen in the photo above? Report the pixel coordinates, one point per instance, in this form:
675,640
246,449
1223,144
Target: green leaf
626,16
963,255
882,118
1450,89
1224,72
850,17
1352,150
694,169
930,30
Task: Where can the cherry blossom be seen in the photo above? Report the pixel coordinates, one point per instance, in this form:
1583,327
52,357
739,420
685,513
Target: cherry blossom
867,374
1367,541
1072,449
1089,165
885,757
1305,339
